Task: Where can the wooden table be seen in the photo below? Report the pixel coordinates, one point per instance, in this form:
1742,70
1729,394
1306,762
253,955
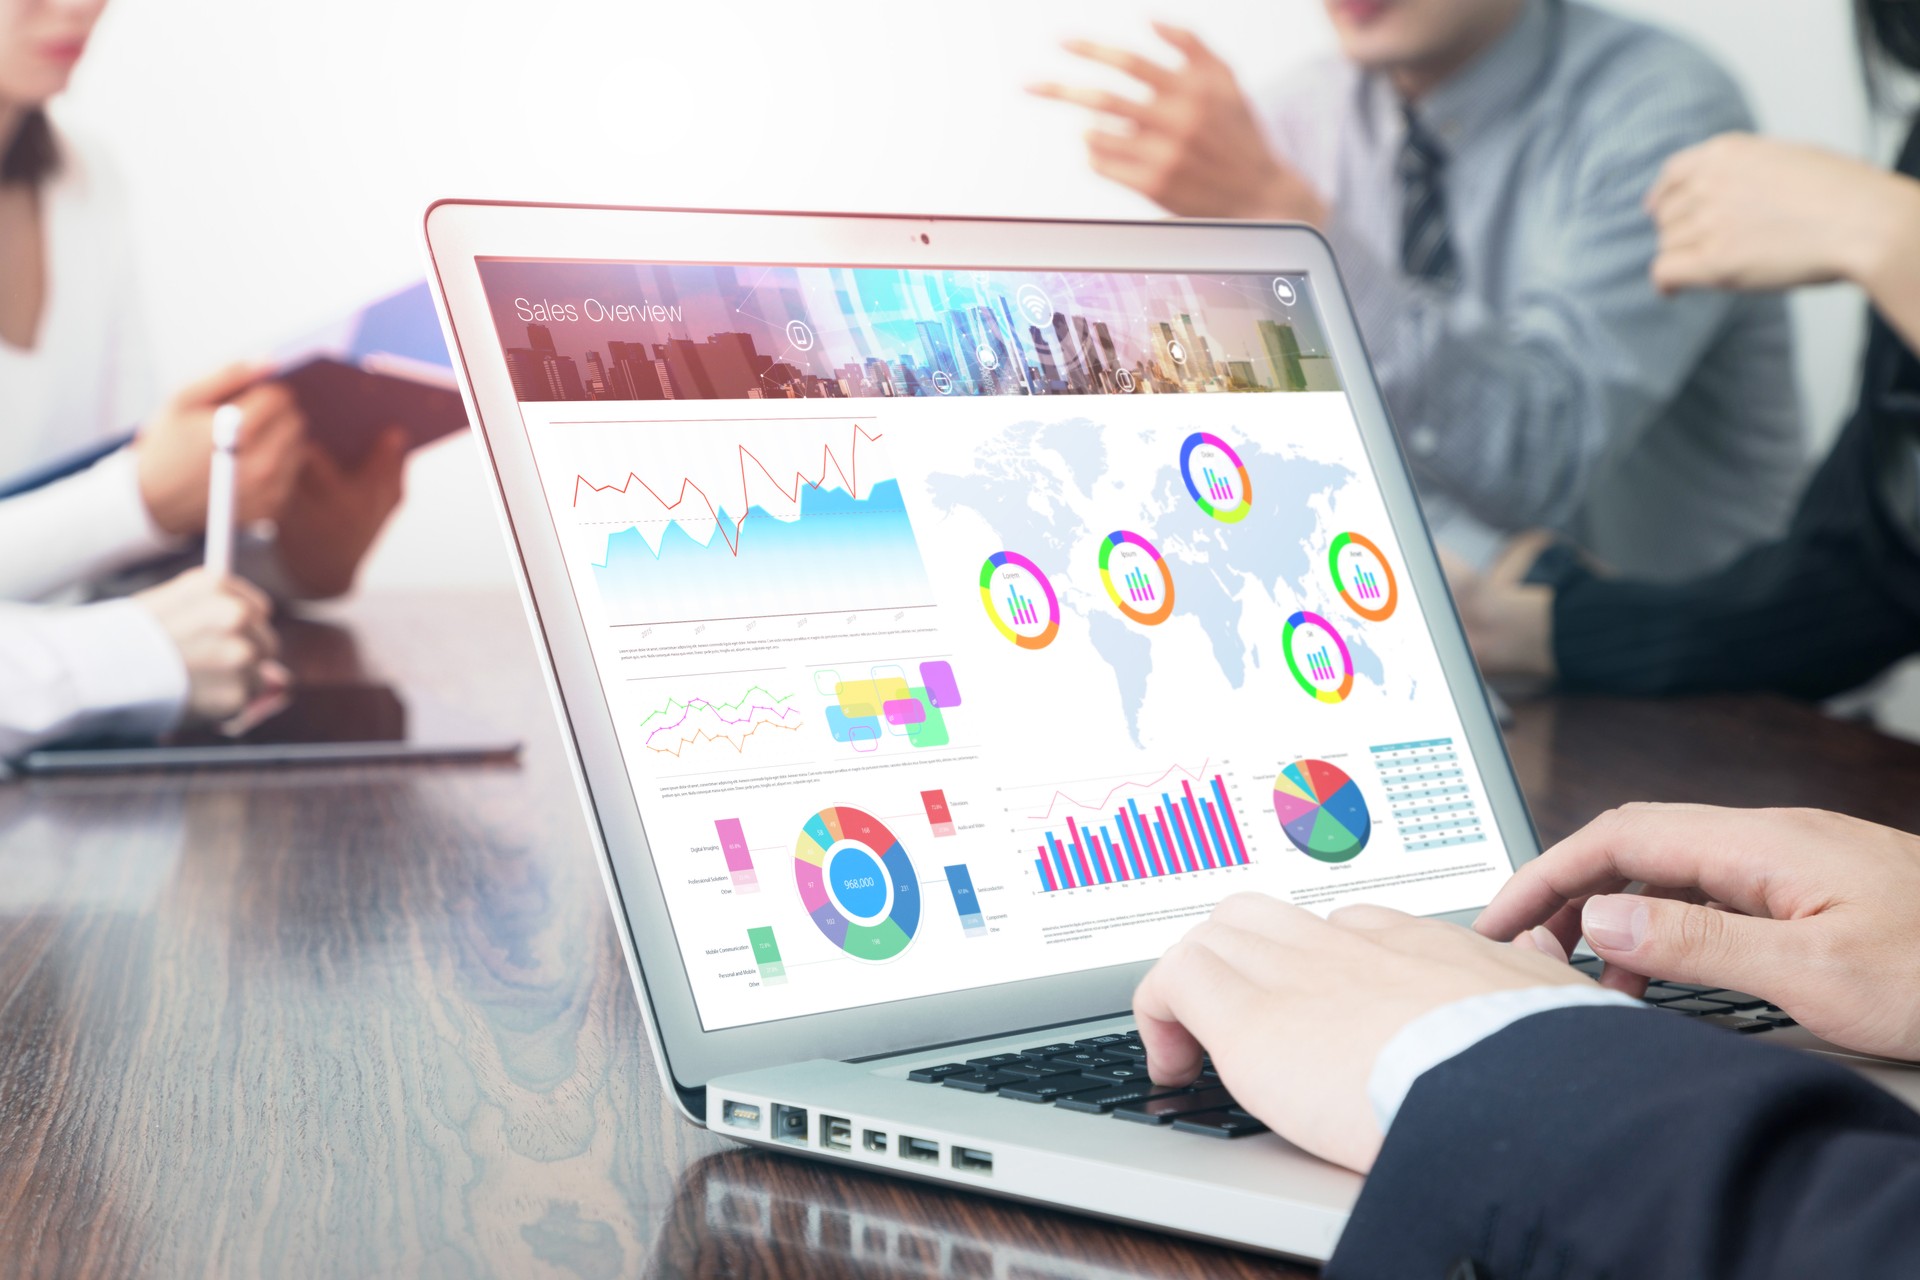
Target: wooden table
373,1021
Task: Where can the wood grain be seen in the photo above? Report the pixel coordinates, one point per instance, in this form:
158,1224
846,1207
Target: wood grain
373,1021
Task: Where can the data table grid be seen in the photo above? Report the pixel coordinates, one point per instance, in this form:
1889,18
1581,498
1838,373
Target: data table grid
1428,794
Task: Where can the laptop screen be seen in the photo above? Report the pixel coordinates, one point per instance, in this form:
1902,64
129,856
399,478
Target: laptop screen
964,627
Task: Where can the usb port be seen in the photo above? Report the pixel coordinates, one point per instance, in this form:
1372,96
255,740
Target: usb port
790,1124
919,1149
741,1115
836,1134
874,1141
971,1161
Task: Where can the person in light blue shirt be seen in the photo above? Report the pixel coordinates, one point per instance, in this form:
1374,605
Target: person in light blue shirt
1479,167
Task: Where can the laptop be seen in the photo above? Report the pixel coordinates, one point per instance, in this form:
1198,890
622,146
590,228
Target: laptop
944,614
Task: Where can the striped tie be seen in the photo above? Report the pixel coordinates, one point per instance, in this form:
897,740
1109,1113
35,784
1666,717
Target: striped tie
1426,246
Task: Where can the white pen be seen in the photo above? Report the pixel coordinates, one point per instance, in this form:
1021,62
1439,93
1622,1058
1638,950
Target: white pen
220,490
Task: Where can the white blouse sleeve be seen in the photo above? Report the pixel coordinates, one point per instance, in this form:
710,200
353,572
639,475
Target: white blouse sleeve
99,668
77,529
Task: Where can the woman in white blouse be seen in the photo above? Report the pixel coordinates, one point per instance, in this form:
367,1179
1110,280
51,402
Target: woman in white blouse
73,374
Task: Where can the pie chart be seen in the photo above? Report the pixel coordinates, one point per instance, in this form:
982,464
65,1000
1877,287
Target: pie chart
1321,810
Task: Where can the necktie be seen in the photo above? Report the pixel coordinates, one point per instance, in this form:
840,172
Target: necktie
1426,243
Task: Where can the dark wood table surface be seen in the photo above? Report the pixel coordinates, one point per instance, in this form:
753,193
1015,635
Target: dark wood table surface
367,1021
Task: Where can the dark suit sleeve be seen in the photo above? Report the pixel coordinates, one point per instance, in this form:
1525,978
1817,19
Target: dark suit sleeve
1825,608
1583,1144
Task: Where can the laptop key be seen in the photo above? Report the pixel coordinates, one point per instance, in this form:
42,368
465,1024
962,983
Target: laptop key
1694,1004
983,1082
1120,1073
1131,1052
1739,1022
1085,1058
1168,1109
1738,999
993,1060
1220,1124
934,1075
1099,1042
1047,1050
1048,1088
1028,1069
1101,1101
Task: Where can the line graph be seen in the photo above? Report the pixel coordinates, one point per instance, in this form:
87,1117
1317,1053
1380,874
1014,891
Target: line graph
742,518
1100,803
849,476
679,726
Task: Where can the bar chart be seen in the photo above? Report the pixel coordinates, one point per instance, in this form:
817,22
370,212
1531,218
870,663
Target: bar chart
1180,833
733,847
960,882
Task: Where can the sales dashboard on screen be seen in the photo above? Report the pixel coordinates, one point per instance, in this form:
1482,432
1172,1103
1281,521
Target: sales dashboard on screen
961,627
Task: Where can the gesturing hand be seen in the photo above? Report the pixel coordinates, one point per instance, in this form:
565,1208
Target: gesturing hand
1814,911
1193,147
1294,1009
1741,212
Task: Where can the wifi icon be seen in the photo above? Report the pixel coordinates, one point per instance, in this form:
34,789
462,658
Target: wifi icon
1035,305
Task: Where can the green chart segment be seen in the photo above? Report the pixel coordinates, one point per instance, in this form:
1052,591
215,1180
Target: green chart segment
766,954
857,883
1321,810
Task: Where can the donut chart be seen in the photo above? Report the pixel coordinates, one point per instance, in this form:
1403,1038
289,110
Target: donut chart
857,883
1216,478
1136,577
1008,584
1321,810
1358,566
1313,666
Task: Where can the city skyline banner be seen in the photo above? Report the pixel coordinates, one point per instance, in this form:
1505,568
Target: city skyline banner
676,331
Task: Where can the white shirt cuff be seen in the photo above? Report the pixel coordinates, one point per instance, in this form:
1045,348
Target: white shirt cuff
1452,1029
79,528
96,669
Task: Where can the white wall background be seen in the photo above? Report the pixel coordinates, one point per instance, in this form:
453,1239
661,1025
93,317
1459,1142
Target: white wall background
280,154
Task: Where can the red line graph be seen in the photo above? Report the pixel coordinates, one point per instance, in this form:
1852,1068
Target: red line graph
1107,799
829,463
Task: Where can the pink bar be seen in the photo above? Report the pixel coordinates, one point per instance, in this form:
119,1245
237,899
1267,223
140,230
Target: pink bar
1046,871
1086,872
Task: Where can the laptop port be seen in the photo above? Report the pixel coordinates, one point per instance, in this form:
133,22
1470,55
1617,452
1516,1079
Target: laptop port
790,1124
741,1115
968,1160
874,1141
836,1134
919,1149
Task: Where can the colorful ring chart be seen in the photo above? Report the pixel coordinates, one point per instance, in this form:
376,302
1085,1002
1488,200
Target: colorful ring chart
1319,670
1321,810
1213,489
1363,592
1012,610
1141,593
856,882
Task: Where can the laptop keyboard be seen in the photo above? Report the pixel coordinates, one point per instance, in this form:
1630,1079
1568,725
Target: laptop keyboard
1106,1075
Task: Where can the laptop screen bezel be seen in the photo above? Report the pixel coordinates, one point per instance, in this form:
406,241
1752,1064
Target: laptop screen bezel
461,233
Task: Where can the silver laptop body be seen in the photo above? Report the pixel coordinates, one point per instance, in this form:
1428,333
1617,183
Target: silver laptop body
943,614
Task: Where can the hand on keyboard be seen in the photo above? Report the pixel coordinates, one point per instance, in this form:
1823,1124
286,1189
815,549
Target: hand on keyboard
1294,1009
1813,911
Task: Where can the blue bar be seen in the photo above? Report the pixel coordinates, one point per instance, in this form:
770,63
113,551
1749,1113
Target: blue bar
1226,817
1060,856
1146,840
1179,829
1193,818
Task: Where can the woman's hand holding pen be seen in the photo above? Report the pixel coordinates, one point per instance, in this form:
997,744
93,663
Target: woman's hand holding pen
173,450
